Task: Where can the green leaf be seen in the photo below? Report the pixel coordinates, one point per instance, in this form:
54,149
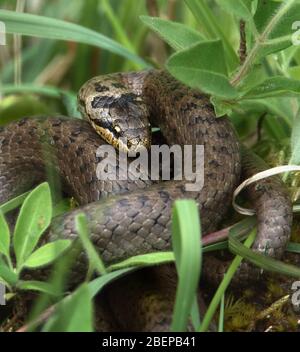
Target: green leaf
274,86
52,92
282,107
34,218
293,247
95,262
186,238
203,66
144,260
263,261
96,285
7,274
38,286
47,253
240,8
13,203
4,236
221,315
221,107
177,35
51,28
73,314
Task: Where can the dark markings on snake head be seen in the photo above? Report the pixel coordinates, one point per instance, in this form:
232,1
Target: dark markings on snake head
100,88
118,85
108,101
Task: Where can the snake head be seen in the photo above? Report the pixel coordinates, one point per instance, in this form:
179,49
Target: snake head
117,114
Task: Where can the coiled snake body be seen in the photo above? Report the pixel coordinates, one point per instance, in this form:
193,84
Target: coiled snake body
133,217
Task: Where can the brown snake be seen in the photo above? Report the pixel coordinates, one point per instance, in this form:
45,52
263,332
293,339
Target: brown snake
127,218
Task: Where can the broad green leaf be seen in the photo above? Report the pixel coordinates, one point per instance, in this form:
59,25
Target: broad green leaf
47,253
38,286
186,239
73,314
203,66
34,218
274,86
95,262
51,28
240,8
4,236
177,35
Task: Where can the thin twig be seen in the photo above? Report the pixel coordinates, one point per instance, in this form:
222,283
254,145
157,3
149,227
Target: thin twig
152,8
243,43
44,316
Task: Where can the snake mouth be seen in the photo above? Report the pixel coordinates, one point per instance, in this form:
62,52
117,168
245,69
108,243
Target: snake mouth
133,146
122,144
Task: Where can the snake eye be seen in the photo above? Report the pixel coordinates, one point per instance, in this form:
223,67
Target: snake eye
117,129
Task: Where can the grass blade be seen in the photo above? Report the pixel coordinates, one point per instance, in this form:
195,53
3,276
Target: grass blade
223,286
46,27
186,236
95,262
